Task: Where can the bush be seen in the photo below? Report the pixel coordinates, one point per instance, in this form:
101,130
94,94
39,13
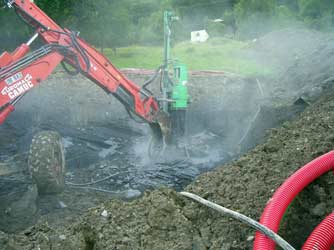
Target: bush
215,29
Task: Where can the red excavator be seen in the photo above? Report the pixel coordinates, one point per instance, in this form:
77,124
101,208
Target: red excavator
22,70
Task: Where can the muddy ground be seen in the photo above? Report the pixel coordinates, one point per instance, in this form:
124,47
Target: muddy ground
101,140
161,219
164,220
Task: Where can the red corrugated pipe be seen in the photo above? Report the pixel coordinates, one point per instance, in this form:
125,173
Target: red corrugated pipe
323,236
285,194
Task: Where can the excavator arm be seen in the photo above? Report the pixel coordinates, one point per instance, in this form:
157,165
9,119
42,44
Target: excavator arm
20,70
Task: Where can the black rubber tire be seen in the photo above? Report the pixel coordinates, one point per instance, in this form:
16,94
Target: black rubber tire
46,162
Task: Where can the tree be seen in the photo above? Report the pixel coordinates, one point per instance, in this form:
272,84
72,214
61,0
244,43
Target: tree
103,22
114,23
310,8
59,10
291,4
195,13
13,30
246,8
317,14
149,26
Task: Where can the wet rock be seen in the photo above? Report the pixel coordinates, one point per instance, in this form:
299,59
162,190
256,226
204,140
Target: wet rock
62,204
62,237
250,238
132,193
104,213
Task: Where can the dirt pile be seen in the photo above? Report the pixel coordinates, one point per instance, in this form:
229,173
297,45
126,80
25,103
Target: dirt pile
164,220
302,59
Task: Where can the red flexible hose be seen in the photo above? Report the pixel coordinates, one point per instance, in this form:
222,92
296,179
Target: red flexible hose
323,236
274,211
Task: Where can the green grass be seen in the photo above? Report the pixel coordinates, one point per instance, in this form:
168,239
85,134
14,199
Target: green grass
136,57
217,54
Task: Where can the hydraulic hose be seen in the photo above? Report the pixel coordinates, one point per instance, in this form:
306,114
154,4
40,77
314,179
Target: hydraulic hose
322,238
284,195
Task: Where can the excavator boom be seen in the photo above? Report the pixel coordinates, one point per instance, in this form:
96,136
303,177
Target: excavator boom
22,70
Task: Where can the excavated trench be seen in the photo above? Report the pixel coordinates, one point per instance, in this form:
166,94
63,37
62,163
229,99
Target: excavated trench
228,116
101,140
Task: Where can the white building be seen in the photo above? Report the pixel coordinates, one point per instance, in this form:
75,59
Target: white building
199,36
